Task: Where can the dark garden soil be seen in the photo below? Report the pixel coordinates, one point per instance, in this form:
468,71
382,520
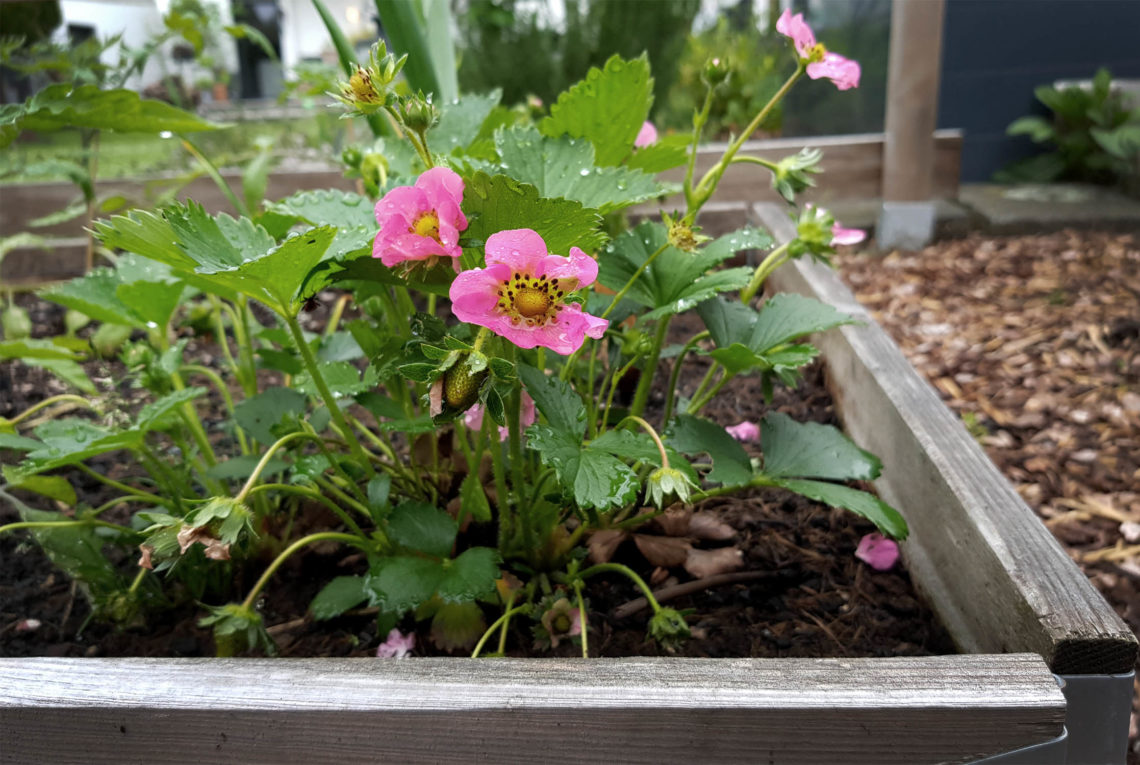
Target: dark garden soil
1035,342
799,591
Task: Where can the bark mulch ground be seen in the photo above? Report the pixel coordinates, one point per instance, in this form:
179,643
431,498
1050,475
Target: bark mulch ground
1035,342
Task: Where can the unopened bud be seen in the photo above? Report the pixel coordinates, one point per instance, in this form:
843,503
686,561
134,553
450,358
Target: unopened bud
716,71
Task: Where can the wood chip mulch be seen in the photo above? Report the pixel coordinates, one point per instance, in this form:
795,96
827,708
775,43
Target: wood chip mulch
1034,341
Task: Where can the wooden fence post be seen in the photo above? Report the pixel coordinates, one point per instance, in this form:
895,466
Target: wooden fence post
907,217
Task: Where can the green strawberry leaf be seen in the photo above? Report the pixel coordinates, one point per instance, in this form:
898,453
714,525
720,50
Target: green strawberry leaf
607,108
338,596
472,575
556,400
694,435
886,518
422,527
813,450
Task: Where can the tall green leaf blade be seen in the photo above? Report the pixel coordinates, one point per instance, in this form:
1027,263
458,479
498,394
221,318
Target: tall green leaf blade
499,203
607,108
813,450
886,518
406,30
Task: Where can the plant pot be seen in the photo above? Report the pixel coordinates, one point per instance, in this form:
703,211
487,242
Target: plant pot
1018,608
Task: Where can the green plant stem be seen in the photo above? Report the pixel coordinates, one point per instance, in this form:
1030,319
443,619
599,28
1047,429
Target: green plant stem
524,608
771,262
264,461
633,279
212,171
615,378
618,568
675,374
352,485
324,536
502,502
757,482
123,487
518,485
705,381
335,315
749,159
645,384
65,524
223,341
699,120
505,626
708,183
582,620
326,394
139,577
331,488
117,501
652,434
241,319
220,386
316,496
697,404
63,398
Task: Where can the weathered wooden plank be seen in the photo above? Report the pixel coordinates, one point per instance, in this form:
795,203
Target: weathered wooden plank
944,709
997,578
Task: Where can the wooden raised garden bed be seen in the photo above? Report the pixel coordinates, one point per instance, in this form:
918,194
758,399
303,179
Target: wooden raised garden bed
1018,608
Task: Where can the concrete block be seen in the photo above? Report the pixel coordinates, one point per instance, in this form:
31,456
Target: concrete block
905,225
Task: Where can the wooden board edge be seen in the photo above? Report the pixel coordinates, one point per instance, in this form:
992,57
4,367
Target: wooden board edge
994,574
902,710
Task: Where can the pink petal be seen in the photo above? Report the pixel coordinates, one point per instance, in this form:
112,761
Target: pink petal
404,247
473,418
441,183
745,431
842,71
840,235
578,267
646,136
397,646
475,294
407,202
877,551
518,249
797,29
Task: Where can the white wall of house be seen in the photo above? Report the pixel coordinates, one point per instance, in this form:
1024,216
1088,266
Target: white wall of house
304,36
138,21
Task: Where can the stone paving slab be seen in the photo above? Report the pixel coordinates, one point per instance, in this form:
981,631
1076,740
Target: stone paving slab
1030,208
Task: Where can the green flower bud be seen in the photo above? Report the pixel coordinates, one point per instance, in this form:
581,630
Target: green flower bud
419,114
668,627
666,482
716,71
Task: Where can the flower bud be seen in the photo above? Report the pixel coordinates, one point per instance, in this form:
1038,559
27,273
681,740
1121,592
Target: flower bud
418,113
668,627
716,71
665,482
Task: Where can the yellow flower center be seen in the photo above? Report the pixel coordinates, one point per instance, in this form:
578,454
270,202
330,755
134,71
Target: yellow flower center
426,225
562,623
531,302
534,301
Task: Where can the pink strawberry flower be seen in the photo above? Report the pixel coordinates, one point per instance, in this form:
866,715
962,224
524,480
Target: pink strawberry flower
744,431
877,551
842,71
840,235
421,222
521,294
795,28
397,646
646,136
473,417
820,62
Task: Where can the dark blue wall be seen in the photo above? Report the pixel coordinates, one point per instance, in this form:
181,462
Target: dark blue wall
995,52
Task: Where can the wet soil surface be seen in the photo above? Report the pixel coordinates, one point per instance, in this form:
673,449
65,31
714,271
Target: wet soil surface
800,591
1035,342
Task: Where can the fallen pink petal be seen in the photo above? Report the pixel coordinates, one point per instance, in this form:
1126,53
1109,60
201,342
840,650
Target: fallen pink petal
840,235
745,432
422,221
521,294
646,136
877,551
397,646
